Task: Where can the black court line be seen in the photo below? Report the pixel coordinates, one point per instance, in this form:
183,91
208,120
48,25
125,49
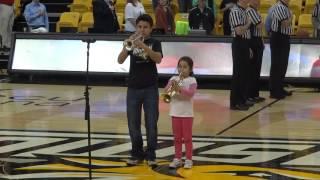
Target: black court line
247,117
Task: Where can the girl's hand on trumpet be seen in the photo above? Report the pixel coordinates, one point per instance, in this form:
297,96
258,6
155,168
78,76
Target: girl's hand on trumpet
175,86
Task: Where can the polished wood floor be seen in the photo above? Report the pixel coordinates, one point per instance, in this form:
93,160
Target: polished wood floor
283,133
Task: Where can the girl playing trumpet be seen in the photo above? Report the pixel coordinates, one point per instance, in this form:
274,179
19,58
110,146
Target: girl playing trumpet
181,110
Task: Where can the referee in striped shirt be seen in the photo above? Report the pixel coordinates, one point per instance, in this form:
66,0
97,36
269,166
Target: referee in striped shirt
240,24
281,30
316,19
257,46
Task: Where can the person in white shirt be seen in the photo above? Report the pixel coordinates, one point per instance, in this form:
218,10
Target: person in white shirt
132,11
181,110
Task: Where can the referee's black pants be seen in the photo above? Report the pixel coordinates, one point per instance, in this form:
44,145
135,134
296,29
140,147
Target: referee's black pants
257,46
239,83
280,48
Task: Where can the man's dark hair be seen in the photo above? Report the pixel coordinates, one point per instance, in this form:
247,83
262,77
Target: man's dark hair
146,18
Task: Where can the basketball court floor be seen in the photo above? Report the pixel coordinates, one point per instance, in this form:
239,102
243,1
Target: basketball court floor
43,135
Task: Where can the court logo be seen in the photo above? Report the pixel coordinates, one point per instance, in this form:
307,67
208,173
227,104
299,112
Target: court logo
63,155
25,100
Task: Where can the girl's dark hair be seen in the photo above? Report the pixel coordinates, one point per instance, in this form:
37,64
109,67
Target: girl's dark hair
189,61
146,18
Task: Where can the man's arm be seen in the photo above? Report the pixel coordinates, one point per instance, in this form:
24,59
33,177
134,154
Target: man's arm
123,56
29,15
239,29
154,56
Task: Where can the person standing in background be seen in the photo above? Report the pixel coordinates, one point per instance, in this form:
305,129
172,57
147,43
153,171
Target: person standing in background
164,17
36,16
201,17
105,16
257,47
316,19
6,23
281,29
225,7
133,10
240,24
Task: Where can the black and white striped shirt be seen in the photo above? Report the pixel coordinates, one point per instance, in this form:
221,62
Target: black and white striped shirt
255,19
280,13
316,11
238,17
316,17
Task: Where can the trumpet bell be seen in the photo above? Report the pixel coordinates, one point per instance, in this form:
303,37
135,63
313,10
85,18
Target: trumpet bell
128,45
166,98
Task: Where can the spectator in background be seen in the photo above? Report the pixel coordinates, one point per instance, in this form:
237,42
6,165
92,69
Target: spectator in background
225,7
165,17
36,17
210,4
201,17
6,23
185,5
105,17
133,10
316,19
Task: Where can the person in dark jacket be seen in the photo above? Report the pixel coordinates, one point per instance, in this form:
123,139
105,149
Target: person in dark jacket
201,17
105,17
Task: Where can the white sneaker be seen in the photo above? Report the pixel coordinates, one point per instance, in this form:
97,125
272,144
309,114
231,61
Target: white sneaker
175,163
188,164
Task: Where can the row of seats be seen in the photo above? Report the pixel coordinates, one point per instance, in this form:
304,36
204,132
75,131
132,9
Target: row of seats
84,21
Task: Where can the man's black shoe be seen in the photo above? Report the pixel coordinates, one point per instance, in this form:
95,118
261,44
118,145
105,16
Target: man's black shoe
249,103
259,99
287,93
239,107
277,97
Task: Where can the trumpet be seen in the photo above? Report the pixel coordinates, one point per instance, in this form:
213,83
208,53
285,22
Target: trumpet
166,97
129,43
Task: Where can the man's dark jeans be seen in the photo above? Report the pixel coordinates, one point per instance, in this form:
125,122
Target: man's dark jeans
148,98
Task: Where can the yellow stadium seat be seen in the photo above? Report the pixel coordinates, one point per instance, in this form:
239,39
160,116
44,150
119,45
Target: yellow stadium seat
265,5
86,22
296,7
175,7
181,17
308,8
218,24
146,4
305,22
293,23
68,19
17,10
263,18
120,18
120,6
217,4
81,6
153,18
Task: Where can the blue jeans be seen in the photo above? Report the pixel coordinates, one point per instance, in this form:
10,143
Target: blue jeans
148,98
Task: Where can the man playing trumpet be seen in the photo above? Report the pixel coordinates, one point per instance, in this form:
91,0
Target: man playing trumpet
143,90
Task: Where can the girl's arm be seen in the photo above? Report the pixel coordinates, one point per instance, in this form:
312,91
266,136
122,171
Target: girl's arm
190,91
